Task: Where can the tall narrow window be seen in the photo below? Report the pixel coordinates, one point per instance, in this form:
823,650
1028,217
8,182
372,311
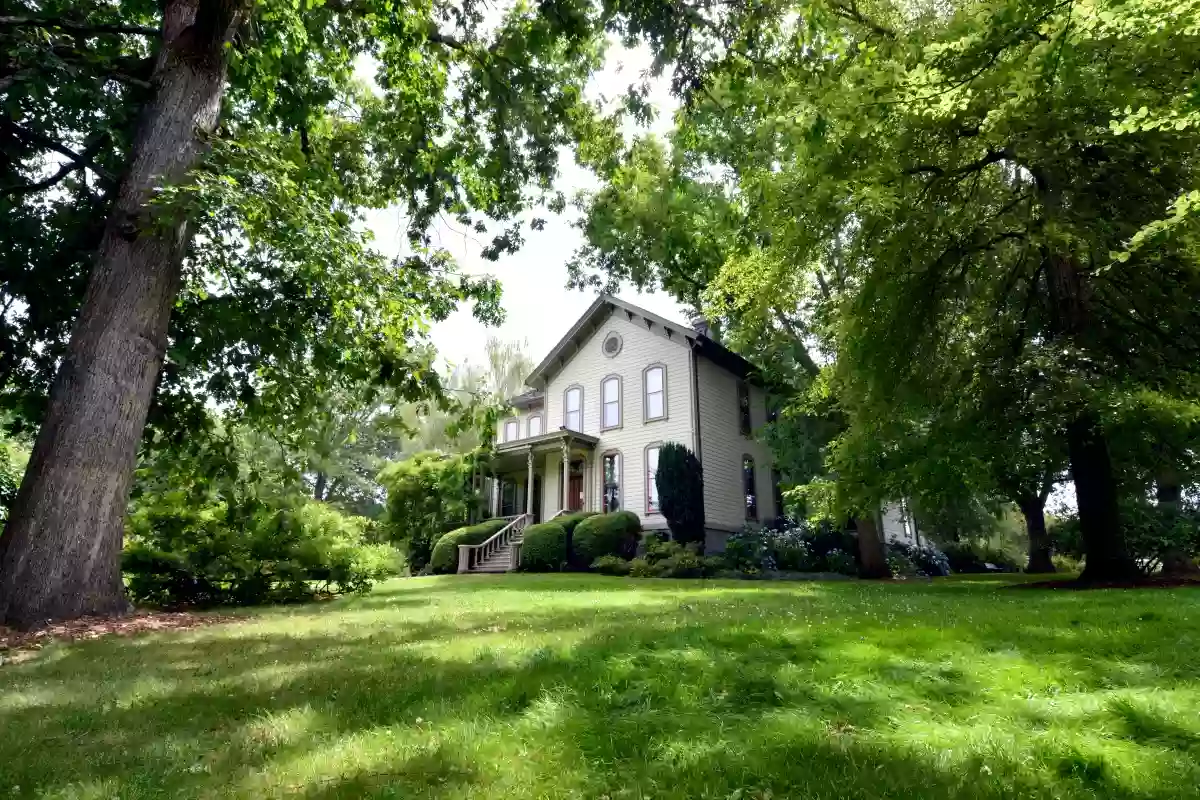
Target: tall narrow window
573,410
535,425
612,482
777,491
610,403
748,487
651,485
655,382
511,431
743,399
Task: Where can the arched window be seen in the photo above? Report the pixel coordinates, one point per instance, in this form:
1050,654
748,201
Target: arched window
610,403
573,409
654,384
748,488
611,498
535,425
512,431
651,485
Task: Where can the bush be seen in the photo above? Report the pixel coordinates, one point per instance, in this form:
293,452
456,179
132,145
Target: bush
641,568
973,557
901,566
926,560
613,534
1152,533
544,548
570,521
444,560
685,564
841,562
184,551
427,495
611,565
680,483
787,545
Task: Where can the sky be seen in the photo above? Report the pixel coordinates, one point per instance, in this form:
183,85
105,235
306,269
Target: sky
539,309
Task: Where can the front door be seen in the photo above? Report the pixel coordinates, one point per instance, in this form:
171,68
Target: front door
575,492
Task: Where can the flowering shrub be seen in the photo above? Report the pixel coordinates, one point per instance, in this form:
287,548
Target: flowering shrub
926,560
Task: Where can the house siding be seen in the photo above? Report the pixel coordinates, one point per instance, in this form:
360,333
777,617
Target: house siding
722,447
586,368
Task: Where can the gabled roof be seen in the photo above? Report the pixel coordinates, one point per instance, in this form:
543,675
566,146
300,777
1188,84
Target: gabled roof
600,310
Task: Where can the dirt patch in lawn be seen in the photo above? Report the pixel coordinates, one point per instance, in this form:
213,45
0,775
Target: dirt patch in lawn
13,641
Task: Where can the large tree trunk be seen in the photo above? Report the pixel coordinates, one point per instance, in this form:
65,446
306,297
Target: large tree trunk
1096,495
1091,467
60,552
1033,508
872,559
319,488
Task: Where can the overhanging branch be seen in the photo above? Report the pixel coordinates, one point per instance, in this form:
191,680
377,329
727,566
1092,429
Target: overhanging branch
72,26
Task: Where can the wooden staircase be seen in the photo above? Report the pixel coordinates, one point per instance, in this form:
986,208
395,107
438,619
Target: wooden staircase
500,553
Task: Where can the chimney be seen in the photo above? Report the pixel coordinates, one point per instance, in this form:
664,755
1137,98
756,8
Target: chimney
700,325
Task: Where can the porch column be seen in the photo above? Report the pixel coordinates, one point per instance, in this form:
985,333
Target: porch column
495,497
566,475
529,483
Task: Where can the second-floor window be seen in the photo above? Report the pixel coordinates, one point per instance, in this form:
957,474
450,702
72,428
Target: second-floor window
656,392
743,400
573,410
748,487
512,431
651,484
610,403
535,425
612,482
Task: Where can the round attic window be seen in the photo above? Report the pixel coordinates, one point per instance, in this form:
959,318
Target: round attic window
612,344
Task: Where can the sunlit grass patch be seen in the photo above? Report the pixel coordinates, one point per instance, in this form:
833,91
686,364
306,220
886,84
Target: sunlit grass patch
522,686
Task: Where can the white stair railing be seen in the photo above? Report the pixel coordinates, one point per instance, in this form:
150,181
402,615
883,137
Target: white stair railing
472,555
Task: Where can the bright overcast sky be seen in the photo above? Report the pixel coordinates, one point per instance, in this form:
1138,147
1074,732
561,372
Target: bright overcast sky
539,308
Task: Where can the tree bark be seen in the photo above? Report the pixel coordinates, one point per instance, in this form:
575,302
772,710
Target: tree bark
872,559
1034,510
319,488
1096,495
60,551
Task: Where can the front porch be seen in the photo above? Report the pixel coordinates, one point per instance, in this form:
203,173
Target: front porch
543,475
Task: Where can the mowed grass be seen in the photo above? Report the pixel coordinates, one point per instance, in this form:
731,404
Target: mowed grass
576,686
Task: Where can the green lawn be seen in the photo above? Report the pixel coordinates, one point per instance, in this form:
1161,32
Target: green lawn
578,686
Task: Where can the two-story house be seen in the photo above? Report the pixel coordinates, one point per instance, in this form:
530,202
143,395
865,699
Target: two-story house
620,384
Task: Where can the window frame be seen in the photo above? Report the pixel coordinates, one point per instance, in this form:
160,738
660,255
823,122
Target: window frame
753,488
745,421
620,402
620,493
646,392
647,478
566,407
529,434
512,421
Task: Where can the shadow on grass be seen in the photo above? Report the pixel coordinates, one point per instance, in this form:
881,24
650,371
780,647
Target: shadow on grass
837,692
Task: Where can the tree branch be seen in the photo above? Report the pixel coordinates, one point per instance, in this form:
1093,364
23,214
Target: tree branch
81,160
72,26
850,11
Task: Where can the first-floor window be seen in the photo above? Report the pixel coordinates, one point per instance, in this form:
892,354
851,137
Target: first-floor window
511,430
651,485
612,482
748,487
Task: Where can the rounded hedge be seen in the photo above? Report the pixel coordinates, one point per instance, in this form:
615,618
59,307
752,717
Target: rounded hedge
613,534
444,560
544,547
570,521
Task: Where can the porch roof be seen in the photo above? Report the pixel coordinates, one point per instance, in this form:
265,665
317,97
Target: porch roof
508,453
